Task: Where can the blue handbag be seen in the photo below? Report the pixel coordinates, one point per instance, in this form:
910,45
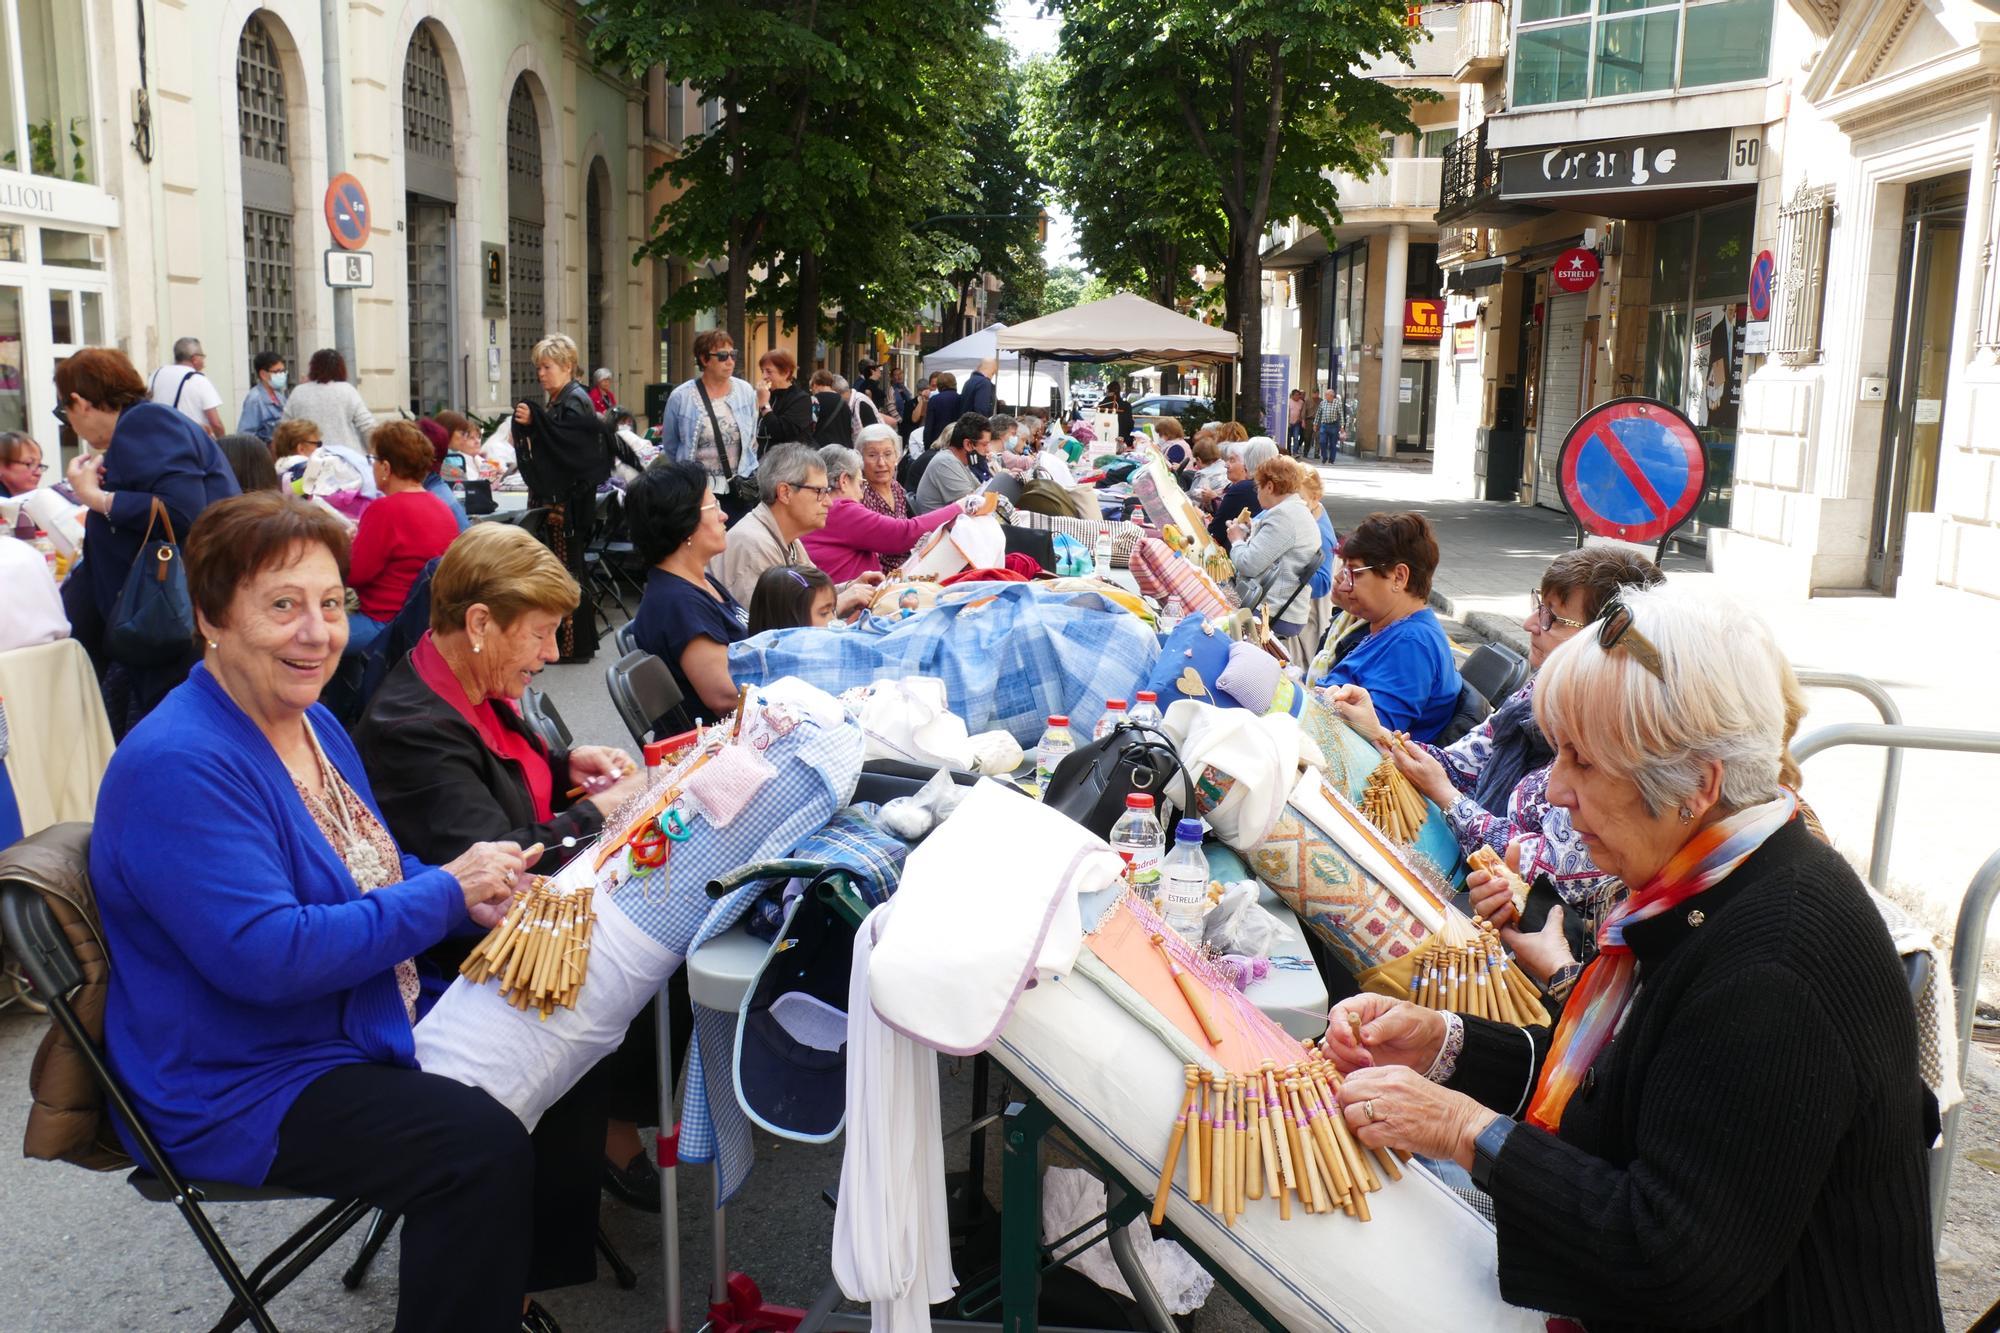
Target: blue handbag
152,624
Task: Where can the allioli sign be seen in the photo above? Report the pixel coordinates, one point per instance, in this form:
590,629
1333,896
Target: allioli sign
1575,270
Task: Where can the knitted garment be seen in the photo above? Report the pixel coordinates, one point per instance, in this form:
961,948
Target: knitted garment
1749,1151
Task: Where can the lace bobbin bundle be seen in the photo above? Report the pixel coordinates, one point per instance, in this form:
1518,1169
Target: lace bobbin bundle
540,951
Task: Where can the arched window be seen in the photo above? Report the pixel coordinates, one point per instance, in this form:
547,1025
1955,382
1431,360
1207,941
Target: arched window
526,312
595,287
263,128
431,183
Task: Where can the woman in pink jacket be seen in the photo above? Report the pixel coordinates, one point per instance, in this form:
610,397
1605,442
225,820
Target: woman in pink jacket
856,537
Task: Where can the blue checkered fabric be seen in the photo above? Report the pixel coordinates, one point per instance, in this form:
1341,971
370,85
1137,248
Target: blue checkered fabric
816,771
1010,654
853,841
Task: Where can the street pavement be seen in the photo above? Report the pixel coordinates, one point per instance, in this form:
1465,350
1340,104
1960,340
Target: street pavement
81,1252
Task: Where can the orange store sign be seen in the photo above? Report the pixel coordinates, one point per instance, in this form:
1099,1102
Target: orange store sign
1423,321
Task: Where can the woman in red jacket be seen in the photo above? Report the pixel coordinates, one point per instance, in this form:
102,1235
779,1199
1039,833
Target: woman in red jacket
401,532
856,537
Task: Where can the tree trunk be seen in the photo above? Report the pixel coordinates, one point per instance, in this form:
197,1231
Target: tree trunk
1232,321
806,316
849,337
1250,329
737,288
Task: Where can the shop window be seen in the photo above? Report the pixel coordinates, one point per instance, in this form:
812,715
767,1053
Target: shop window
13,245
1800,300
55,72
1422,277
13,403
1567,50
72,249
263,136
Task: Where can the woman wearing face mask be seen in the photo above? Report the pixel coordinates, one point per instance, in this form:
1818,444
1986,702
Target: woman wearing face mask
1493,783
264,405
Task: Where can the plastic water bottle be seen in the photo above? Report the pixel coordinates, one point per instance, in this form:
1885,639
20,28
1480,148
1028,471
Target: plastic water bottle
1055,746
1114,713
40,541
1137,838
1146,711
1184,881
1170,616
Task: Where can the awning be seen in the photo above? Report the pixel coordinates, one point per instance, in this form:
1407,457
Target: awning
1471,277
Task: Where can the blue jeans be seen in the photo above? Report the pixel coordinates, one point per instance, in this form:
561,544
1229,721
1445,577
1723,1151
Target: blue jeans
1329,442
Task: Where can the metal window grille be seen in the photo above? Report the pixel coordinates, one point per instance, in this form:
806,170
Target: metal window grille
1799,304
267,282
593,265
525,308
261,122
429,259
426,98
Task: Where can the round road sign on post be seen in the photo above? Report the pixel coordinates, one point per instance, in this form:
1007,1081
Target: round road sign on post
1632,469
1761,270
1575,269
347,215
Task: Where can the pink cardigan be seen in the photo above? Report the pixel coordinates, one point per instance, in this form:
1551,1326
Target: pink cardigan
855,536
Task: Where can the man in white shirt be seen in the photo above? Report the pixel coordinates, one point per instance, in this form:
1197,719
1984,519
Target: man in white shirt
184,388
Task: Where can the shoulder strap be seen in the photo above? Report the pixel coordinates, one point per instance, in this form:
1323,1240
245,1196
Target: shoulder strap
1301,588
715,424
182,388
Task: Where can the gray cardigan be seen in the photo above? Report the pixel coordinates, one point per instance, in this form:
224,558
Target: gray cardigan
1278,556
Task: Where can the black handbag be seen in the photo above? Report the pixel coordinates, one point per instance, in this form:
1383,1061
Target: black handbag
1090,786
152,624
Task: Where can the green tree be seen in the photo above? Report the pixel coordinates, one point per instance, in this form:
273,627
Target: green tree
1247,105
828,112
990,217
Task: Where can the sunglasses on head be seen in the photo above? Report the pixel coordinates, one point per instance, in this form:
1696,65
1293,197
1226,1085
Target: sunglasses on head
1616,630
62,417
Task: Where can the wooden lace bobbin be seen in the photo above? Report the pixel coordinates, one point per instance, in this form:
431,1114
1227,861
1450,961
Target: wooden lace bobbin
1195,1112
1265,1149
1197,998
1246,1146
1329,1175
1207,1136
1253,1142
1232,1165
1281,1178
1218,1142
1173,1158
1302,1150
1312,1095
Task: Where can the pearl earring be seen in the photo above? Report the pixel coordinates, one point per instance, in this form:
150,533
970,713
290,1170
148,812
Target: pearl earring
213,644
476,648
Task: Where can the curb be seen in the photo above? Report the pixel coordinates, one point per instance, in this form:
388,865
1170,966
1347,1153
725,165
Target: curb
1485,625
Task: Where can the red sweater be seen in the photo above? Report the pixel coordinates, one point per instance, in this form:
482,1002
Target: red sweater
398,536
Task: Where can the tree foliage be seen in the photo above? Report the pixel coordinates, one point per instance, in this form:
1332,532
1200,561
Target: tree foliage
843,124
1173,111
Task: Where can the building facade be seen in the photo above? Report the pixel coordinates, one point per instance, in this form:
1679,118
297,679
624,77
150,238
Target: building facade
1358,310
503,171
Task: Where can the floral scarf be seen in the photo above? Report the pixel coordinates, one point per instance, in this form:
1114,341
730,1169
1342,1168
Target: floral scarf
1605,990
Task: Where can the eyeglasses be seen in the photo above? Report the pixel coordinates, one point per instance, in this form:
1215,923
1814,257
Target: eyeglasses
1545,612
722,356
821,491
1615,629
1347,573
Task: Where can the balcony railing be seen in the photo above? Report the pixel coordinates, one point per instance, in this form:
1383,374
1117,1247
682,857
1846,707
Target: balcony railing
1400,182
1470,176
1433,55
1482,38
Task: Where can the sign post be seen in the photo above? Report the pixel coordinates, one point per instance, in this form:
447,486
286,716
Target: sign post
1632,469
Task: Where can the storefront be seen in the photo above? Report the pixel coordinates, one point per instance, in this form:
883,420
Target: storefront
55,291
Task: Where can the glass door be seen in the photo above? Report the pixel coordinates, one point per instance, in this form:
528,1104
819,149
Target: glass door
1919,368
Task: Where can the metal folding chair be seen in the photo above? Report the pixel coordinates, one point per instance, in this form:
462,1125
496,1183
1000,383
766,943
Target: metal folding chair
31,928
647,698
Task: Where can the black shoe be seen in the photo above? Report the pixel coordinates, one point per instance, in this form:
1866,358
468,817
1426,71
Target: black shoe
635,1184
535,1319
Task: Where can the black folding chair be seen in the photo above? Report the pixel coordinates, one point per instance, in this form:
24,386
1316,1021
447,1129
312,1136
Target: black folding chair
30,927
539,712
646,696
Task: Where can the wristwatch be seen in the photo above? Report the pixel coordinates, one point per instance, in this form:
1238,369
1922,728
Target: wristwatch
1486,1148
1562,981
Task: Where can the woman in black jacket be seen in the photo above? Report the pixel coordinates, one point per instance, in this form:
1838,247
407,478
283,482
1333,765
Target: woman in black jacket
565,455
784,408
452,763
1727,1129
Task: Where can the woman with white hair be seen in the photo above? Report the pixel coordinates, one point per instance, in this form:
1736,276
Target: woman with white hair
857,538
1239,502
881,492
1276,553
1727,1128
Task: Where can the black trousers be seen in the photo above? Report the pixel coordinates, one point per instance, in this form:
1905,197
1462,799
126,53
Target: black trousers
568,534
455,1164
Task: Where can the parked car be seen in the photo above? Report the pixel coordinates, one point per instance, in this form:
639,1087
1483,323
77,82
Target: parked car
1154,406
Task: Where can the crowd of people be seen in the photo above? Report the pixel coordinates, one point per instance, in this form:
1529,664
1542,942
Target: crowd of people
1737,1142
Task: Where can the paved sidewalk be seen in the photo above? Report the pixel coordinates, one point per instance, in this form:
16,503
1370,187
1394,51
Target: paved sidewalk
1934,654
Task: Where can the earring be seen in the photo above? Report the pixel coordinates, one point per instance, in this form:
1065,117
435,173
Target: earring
1687,815
476,648
213,644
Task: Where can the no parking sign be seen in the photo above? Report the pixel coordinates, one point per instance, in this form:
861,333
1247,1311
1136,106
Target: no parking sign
1632,469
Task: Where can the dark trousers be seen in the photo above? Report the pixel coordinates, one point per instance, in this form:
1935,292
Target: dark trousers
452,1162
572,506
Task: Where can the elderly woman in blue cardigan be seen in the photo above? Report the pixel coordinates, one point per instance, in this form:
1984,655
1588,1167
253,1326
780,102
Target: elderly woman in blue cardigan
263,923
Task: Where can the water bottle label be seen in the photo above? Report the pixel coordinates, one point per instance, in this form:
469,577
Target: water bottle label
1184,889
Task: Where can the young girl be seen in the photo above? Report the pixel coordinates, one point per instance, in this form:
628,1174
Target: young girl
791,595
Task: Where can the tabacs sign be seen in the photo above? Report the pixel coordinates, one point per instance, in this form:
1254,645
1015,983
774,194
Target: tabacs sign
1423,321
1652,162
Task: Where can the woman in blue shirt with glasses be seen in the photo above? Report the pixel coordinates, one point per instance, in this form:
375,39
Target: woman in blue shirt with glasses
1405,663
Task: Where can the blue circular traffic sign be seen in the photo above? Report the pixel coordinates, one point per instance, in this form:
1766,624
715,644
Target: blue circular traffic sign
347,215
1632,468
1761,273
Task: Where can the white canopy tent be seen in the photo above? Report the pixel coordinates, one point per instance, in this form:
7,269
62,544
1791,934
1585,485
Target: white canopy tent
1019,383
1124,327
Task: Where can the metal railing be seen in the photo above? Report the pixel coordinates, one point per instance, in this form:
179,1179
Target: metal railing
1892,769
1969,938
1470,175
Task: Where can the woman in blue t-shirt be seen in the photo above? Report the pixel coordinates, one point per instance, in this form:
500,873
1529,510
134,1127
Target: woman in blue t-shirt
686,619
1405,663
